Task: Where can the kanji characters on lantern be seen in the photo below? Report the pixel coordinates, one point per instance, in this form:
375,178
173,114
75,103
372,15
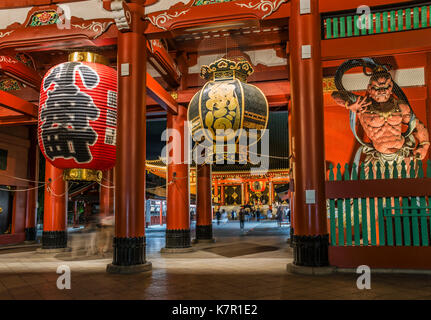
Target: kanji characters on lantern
78,116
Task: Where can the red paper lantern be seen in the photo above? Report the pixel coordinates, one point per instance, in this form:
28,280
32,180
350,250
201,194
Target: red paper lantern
78,116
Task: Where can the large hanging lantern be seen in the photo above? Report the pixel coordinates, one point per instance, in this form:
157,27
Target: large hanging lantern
78,116
226,102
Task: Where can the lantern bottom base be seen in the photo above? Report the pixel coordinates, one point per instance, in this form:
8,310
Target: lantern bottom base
82,175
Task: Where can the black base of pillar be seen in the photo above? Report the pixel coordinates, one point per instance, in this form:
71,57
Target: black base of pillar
54,239
178,239
204,232
30,234
310,251
129,251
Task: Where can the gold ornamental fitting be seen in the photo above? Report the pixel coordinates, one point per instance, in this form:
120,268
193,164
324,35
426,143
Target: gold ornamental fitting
82,175
88,57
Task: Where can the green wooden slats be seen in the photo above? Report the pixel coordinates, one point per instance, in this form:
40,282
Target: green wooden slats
364,210
385,21
364,24
348,210
400,20
393,20
349,26
378,22
408,19
372,206
416,18
355,25
423,205
414,205
356,222
406,219
429,169
342,27
328,28
398,229
388,218
424,16
371,24
380,210
333,226
335,26
340,212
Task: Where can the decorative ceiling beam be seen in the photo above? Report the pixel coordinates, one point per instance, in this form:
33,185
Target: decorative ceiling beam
160,95
192,18
11,102
377,45
160,59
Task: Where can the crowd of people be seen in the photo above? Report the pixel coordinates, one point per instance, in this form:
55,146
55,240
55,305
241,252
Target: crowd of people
254,214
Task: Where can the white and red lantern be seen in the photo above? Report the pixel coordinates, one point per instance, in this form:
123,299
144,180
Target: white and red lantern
78,116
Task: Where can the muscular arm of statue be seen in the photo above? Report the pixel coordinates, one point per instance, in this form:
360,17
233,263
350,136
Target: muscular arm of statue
422,136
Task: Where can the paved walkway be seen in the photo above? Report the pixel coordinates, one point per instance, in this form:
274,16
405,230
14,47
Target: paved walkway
237,267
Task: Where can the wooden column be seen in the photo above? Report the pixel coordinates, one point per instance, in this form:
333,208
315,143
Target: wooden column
204,231
107,194
54,234
178,202
32,170
129,240
222,195
242,194
310,241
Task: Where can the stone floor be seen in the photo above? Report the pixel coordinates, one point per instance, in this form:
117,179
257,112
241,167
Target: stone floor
200,275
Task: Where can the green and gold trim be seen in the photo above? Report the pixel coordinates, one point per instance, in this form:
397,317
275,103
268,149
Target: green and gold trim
224,69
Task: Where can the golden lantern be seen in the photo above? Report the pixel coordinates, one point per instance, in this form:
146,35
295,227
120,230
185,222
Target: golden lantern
226,102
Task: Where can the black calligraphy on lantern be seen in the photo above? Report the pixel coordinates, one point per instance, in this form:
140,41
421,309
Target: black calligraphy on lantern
66,131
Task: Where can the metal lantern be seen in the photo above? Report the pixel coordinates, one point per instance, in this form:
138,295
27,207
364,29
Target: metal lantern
78,117
225,102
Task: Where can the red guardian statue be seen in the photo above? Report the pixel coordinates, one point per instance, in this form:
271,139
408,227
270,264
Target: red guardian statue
384,113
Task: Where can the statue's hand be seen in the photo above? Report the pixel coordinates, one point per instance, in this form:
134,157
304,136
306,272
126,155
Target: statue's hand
360,105
421,152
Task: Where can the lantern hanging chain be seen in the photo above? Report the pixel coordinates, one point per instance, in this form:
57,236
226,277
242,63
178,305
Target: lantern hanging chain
19,190
22,179
41,185
58,195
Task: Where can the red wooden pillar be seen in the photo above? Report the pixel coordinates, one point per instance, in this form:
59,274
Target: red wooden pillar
107,194
32,168
204,227
129,240
178,208
310,241
222,195
54,234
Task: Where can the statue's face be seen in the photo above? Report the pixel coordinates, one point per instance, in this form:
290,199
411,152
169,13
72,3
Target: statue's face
381,90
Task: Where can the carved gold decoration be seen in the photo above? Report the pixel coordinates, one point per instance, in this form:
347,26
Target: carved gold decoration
264,5
82,175
329,84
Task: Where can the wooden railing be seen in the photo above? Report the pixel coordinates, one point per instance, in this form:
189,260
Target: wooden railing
379,21
387,206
